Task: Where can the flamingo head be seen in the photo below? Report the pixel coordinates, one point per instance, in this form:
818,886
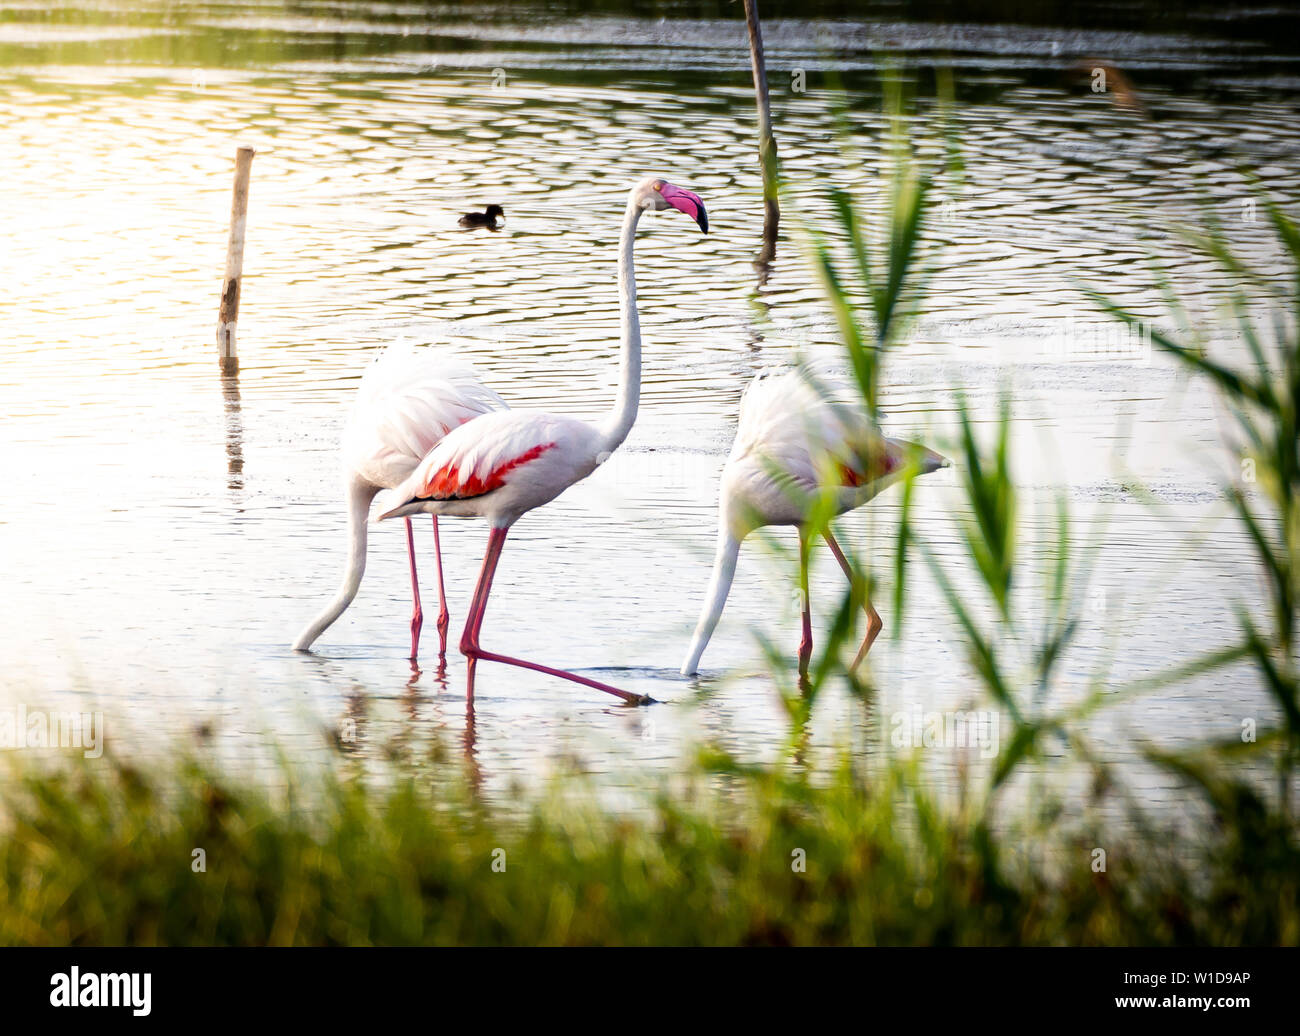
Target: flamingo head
900,452
656,194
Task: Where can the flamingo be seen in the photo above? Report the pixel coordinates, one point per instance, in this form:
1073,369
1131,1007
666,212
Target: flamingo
407,401
794,442
506,463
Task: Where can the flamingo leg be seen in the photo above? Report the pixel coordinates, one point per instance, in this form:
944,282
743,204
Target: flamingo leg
805,642
469,645
417,613
874,623
444,620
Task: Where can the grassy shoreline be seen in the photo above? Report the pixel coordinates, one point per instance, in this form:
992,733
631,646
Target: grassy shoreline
110,856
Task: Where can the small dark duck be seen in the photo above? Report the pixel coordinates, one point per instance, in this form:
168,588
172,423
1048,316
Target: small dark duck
487,218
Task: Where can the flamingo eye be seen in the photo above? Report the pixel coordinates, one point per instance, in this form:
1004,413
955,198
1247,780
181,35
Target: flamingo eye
658,185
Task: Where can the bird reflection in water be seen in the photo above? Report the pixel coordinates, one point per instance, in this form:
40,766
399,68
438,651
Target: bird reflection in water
469,735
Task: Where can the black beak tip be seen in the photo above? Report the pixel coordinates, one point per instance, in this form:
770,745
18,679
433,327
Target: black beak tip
703,220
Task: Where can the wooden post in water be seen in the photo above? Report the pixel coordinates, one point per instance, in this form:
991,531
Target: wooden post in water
766,145
227,352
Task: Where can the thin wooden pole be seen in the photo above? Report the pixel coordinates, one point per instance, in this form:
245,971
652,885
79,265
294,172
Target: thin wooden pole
227,352
766,144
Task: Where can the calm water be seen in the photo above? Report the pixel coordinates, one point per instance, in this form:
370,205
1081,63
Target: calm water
165,536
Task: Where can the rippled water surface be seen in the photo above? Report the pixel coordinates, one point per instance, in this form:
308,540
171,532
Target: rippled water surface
165,534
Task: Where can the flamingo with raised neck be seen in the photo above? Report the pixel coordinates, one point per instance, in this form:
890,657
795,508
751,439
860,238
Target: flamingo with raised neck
502,465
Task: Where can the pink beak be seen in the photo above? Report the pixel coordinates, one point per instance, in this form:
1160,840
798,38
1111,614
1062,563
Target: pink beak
686,201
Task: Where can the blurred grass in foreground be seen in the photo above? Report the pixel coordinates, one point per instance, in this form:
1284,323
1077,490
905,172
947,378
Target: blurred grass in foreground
105,856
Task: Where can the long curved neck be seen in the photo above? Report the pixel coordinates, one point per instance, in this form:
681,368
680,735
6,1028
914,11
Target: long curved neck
629,388
360,494
724,571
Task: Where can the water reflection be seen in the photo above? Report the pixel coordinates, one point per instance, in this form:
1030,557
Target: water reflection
234,435
469,746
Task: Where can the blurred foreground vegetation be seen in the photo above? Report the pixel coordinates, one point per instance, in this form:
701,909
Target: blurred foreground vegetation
108,857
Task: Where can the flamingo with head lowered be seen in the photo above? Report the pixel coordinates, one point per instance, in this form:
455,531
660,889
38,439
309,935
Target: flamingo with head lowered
502,465
793,443
408,400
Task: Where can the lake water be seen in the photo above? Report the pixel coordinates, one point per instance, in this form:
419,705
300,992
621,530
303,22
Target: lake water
166,534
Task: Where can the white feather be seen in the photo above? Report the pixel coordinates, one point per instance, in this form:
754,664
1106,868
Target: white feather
408,400
798,425
529,452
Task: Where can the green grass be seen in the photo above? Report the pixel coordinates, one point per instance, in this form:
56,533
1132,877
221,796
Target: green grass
106,856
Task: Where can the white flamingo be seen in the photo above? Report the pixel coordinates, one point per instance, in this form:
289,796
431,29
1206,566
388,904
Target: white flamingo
408,400
794,442
504,464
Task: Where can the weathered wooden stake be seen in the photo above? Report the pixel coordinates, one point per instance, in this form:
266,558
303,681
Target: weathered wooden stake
766,145
227,352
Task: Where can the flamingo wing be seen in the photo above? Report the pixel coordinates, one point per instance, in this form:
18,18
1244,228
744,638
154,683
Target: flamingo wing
408,400
482,456
807,431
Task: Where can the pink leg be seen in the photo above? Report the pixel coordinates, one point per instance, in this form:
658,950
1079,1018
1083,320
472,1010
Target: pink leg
874,623
469,644
417,614
805,642
444,620
476,610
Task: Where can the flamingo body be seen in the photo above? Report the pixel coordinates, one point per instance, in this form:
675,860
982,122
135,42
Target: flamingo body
794,442
501,465
408,400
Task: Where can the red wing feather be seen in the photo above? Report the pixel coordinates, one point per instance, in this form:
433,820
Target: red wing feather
852,479
447,483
